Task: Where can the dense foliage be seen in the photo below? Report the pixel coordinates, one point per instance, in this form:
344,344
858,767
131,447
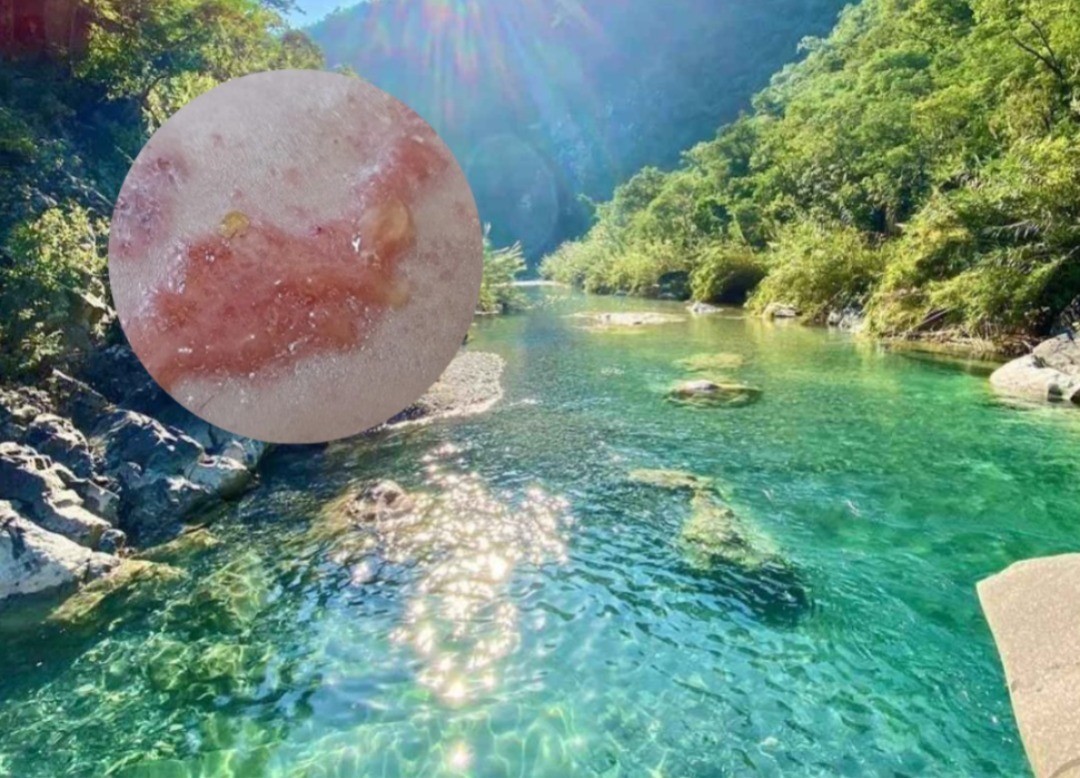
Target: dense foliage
70,126
502,266
546,100
921,163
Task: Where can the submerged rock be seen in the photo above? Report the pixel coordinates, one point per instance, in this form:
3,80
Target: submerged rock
714,534
703,309
671,479
1051,372
627,319
186,545
704,363
379,500
705,393
132,583
156,506
36,561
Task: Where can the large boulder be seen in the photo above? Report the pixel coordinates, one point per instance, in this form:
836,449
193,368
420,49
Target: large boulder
58,438
1051,372
154,508
35,561
128,436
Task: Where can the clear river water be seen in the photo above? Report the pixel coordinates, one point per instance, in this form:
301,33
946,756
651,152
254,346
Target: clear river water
542,616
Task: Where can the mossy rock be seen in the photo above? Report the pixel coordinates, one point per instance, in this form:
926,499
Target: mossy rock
714,533
134,583
675,480
705,363
183,547
707,393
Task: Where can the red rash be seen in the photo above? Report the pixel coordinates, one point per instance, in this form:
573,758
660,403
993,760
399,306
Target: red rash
251,295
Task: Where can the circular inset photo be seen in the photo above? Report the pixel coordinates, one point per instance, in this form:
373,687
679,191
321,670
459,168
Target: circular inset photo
295,256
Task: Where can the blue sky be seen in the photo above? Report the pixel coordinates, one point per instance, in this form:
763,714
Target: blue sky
316,9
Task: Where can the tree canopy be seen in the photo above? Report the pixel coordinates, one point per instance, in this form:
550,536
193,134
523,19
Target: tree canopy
922,163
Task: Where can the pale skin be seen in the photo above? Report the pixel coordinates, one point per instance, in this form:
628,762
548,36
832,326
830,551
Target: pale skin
295,256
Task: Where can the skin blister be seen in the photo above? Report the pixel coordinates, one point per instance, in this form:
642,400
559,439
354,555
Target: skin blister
295,256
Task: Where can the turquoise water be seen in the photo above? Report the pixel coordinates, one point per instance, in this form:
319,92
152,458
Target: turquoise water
543,618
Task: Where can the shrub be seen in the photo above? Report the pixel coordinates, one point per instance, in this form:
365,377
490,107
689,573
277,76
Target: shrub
819,268
52,290
501,267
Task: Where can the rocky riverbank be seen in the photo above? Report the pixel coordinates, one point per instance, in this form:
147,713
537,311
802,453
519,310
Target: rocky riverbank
1051,372
96,467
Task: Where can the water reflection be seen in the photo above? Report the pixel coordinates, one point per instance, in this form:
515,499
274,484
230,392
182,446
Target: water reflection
466,542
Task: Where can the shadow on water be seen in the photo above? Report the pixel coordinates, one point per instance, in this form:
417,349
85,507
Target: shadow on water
774,594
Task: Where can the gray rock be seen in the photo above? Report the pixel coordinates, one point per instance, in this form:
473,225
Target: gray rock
379,500
779,311
58,438
63,513
246,451
34,481
104,502
35,561
848,320
1051,372
134,437
84,405
25,475
702,309
18,407
221,476
154,508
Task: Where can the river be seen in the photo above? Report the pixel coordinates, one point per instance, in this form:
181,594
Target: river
542,615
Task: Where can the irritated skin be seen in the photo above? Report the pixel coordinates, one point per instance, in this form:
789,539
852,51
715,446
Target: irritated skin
270,259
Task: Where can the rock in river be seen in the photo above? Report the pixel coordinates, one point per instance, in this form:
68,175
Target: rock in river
705,393
779,311
714,533
1051,372
674,480
629,319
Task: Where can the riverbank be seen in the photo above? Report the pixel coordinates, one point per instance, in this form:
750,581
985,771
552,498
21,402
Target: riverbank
91,473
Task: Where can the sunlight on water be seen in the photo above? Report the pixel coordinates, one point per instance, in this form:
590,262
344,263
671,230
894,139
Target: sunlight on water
458,620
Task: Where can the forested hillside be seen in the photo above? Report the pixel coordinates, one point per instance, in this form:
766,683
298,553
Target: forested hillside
922,163
70,125
546,100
